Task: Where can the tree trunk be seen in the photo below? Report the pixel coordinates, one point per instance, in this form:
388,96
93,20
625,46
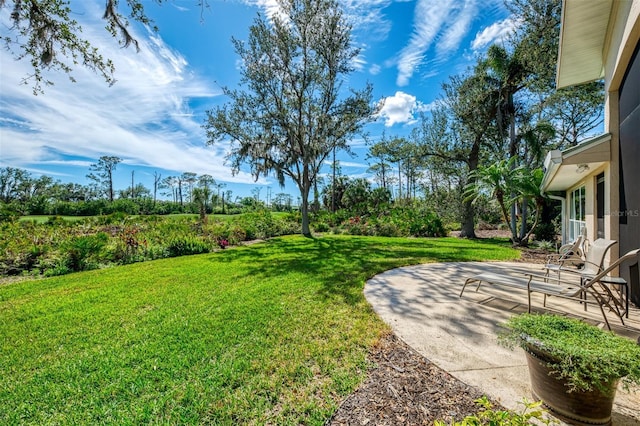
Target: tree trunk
384,177
467,226
468,223
203,214
306,230
523,224
539,207
399,182
110,187
305,188
513,151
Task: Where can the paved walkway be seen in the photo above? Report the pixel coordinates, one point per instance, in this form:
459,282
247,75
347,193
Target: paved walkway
422,305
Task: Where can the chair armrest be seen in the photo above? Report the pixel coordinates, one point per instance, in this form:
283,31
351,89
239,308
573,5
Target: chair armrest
545,278
607,279
565,248
559,259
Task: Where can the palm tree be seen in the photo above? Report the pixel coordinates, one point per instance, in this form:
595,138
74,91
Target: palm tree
528,183
509,76
536,137
201,196
499,180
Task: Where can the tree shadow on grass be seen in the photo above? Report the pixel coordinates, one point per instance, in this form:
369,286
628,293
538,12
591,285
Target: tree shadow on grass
343,263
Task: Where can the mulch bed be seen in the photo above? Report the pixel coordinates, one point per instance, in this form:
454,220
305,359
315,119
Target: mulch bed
529,254
406,388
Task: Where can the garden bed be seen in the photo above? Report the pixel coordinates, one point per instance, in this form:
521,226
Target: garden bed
406,388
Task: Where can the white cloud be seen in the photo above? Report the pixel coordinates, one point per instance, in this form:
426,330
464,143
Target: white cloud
271,8
359,62
429,18
400,108
347,164
368,15
375,69
145,118
460,24
442,26
494,33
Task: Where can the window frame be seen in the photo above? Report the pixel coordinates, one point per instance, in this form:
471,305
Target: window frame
577,211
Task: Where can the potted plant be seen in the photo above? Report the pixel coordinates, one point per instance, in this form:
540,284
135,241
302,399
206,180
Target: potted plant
575,368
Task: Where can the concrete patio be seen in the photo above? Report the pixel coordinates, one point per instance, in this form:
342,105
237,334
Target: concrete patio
422,305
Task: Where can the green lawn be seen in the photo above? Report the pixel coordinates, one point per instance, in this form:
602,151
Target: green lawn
275,332
45,218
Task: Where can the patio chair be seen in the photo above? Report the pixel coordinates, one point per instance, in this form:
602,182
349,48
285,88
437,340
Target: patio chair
596,286
571,254
591,265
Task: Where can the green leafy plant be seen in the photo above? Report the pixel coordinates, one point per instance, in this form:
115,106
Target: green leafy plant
321,227
490,416
585,355
83,251
544,245
184,245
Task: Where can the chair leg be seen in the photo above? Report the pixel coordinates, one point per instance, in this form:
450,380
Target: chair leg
467,281
604,316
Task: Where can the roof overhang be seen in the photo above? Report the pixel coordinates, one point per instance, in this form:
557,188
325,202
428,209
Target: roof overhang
564,169
582,39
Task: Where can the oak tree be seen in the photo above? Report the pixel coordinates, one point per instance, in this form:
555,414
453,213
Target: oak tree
292,111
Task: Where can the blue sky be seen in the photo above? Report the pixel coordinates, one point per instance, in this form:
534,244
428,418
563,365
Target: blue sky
152,116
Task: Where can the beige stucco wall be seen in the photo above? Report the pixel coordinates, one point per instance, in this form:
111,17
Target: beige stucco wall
622,37
589,182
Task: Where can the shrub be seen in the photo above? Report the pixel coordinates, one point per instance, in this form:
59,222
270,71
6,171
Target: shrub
417,222
531,414
257,225
545,245
387,229
321,227
54,265
83,252
587,356
186,245
287,225
545,231
56,221
216,230
426,224
130,244
358,226
110,219
236,234
8,213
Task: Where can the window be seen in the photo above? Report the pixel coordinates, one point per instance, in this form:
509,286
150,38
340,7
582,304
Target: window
576,212
600,205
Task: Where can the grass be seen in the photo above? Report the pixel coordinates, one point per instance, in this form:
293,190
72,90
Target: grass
45,218
275,332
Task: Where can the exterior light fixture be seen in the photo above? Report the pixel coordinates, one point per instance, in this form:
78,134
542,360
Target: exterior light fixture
582,168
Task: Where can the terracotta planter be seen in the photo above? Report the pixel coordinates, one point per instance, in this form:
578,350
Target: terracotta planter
577,407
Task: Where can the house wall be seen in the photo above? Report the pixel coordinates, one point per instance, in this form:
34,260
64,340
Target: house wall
622,40
590,182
